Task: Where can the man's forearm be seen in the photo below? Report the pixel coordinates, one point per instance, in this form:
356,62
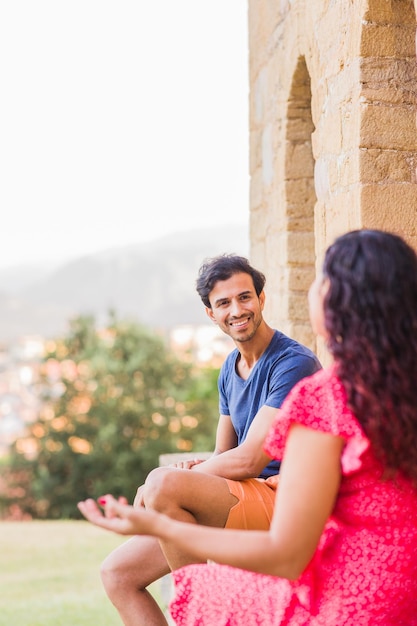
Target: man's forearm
233,464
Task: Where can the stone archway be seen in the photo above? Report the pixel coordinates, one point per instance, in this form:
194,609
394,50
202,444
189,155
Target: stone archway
300,200
359,60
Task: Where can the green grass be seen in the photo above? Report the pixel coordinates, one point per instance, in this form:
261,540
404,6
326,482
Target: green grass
49,574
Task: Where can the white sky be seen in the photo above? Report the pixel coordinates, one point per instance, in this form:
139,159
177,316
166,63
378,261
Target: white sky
120,121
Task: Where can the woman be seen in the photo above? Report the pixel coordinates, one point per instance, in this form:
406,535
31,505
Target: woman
342,547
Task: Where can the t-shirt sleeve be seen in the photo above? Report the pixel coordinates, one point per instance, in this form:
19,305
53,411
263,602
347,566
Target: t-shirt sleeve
319,402
286,373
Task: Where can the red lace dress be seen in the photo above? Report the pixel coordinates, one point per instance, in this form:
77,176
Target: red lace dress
364,571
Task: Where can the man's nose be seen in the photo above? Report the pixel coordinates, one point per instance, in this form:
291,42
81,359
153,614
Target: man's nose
235,308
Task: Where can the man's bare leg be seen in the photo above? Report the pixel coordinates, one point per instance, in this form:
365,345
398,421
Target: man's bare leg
191,497
184,495
126,573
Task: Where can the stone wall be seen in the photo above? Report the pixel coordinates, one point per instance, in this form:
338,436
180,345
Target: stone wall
333,140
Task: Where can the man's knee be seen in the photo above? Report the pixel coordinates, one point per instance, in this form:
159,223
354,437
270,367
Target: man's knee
162,487
112,573
124,570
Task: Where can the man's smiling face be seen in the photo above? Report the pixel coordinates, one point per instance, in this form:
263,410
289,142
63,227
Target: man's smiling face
235,307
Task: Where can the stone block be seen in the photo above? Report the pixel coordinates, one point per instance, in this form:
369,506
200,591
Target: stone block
256,189
301,224
300,196
387,80
298,307
376,165
389,206
300,248
298,160
398,12
303,333
388,127
300,278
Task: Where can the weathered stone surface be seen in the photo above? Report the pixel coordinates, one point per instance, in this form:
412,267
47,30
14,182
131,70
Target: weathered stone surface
333,89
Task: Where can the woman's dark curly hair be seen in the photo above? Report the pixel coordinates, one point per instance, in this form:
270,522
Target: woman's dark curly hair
371,319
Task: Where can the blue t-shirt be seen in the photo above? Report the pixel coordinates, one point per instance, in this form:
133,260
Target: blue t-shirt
281,366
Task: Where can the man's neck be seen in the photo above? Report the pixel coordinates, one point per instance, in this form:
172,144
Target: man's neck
252,350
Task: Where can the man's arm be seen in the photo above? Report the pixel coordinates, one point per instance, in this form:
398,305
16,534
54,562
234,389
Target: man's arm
226,437
246,460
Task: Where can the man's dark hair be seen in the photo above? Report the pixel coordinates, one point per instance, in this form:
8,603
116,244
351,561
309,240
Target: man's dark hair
222,267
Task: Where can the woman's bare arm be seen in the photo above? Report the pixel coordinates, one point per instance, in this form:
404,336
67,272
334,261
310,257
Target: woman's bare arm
308,487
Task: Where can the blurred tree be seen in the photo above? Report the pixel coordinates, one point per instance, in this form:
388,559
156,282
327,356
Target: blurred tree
114,400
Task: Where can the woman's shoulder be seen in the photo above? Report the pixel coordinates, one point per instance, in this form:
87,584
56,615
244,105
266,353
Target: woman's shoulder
321,387
319,401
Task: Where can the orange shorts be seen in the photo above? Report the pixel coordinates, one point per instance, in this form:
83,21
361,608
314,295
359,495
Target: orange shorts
256,503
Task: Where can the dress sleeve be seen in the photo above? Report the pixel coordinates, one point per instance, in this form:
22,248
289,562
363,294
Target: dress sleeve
319,402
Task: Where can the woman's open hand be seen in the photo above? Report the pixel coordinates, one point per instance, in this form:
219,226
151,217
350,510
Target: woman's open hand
118,516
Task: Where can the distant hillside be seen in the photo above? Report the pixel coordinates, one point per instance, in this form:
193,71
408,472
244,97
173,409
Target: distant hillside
152,282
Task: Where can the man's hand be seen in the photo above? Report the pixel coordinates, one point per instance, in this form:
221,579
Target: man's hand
186,464
246,460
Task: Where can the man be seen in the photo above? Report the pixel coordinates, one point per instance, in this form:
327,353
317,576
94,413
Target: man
235,487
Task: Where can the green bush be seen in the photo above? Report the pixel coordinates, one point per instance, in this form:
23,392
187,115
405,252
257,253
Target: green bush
114,399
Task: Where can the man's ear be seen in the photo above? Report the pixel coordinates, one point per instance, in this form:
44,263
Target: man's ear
209,313
262,299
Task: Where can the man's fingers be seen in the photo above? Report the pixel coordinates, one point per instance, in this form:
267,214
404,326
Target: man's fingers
186,464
